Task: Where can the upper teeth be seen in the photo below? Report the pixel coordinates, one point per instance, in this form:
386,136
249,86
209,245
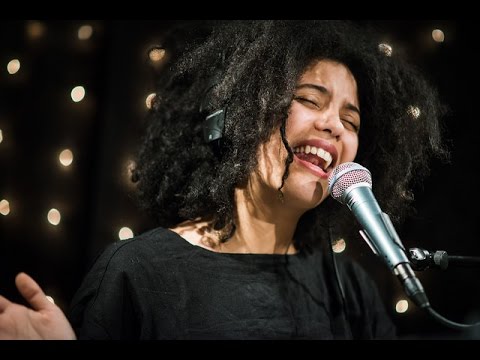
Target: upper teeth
308,149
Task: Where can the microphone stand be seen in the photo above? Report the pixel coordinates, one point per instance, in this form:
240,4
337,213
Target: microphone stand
422,259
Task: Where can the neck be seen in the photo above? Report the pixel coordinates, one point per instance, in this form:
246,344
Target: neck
262,229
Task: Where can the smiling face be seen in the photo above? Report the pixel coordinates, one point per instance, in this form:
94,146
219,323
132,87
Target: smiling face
322,129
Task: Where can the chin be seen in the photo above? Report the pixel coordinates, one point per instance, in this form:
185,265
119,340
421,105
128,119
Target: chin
304,201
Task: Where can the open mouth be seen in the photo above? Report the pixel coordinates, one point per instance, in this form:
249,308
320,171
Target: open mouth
315,155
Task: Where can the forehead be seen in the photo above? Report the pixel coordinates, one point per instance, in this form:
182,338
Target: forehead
327,69
333,75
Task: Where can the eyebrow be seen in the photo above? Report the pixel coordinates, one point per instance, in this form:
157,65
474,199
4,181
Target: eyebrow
324,90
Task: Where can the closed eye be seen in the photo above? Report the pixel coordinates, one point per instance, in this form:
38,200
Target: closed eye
350,125
305,100
347,123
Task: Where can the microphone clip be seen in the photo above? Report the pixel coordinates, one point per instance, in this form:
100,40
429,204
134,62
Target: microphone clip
422,259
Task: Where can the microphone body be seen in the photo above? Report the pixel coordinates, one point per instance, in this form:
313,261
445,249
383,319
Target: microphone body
351,184
378,230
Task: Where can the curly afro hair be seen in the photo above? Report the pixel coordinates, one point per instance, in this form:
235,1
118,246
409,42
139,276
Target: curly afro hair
258,64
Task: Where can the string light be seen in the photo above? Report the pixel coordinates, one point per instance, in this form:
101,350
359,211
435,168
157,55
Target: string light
54,216
149,100
386,49
1,136
66,157
85,32
125,233
78,93
401,306
413,111
36,29
130,167
4,207
13,66
339,246
127,175
156,54
438,35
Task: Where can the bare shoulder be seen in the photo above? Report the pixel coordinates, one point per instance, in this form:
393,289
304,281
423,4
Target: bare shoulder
198,233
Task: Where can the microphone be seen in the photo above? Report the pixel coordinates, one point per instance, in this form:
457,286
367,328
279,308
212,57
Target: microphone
351,184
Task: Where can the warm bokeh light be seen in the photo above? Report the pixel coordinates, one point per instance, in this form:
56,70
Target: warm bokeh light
1,136
339,246
85,32
156,54
149,100
78,93
125,233
438,35
129,166
413,111
386,49
4,207
13,66
66,157
49,298
54,217
401,306
36,29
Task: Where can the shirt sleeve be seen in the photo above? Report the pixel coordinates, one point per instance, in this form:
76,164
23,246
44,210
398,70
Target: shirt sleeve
103,307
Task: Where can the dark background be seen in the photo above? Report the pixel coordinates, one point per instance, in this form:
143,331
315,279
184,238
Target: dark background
38,119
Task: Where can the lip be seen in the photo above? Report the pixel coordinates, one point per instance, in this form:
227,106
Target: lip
315,170
325,145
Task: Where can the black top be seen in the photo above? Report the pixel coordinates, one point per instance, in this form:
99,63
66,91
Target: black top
159,286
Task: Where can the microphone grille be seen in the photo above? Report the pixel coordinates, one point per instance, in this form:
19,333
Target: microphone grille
346,175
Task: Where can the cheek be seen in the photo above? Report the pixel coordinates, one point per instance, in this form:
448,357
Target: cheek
350,148
297,120
271,163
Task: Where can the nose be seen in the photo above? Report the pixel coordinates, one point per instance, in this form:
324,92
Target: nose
330,122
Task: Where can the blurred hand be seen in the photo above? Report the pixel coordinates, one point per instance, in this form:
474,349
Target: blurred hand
45,321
